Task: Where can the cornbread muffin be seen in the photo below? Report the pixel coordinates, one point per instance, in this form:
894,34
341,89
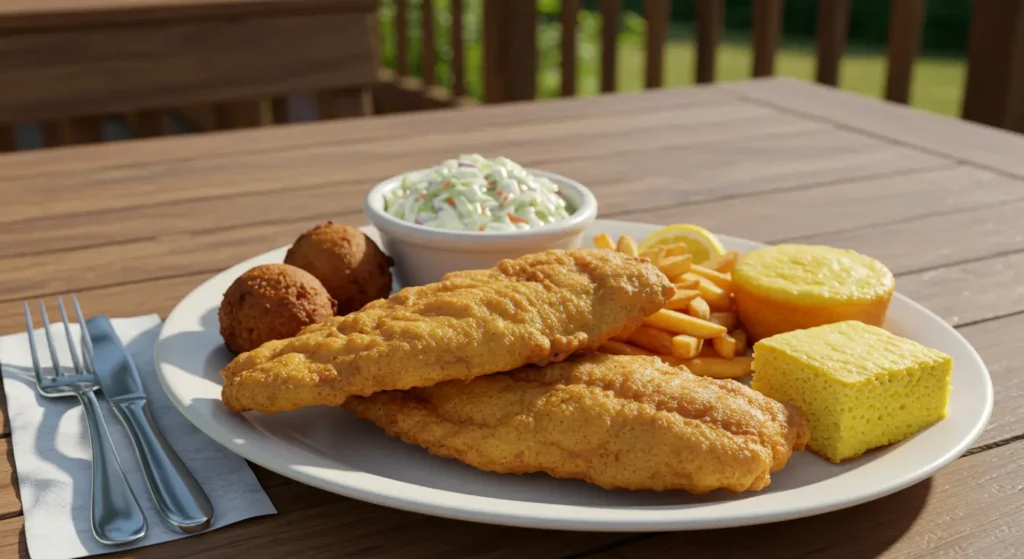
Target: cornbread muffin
788,287
347,262
862,387
271,302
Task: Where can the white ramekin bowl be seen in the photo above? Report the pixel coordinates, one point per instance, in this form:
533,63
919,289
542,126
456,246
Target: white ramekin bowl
423,254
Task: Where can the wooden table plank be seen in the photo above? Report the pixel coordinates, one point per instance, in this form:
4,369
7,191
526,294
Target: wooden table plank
741,167
34,14
935,241
998,344
970,508
123,264
169,213
369,161
994,288
966,141
836,207
757,164
356,131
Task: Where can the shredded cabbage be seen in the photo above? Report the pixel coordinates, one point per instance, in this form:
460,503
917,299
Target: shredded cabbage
473,193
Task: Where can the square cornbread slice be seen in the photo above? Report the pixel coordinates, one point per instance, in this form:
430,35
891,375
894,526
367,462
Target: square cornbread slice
861,386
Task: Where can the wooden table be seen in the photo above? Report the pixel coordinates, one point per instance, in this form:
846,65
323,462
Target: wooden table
132,227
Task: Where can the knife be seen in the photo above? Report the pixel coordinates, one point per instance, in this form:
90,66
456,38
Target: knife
179,497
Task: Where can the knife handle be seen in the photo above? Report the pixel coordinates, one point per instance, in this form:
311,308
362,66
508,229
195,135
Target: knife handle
179,497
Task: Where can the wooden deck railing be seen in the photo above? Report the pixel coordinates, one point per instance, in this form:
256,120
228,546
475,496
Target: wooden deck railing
994,91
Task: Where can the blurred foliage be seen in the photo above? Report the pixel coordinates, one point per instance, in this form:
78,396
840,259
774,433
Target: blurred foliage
945,29
938,82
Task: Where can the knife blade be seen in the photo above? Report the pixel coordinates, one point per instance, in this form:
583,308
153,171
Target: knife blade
179,498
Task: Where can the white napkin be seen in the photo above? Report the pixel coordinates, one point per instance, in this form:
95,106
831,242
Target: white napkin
53,455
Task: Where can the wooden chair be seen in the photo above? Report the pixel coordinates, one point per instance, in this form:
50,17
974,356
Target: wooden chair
68,65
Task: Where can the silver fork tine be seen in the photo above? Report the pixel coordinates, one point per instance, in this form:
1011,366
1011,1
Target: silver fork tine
49,340
71,340
87,354
30,329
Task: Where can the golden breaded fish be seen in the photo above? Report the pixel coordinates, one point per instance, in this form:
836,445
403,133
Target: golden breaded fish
535,309
620,422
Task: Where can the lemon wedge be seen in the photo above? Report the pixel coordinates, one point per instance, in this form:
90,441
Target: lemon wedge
700,242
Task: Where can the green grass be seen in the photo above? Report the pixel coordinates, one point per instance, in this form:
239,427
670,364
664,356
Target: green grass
937,83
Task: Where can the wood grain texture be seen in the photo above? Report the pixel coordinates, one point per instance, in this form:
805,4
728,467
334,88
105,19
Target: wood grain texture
534,143
570,11
611,11
10,500
991,288
428,56
767,22
458,85
835,205
708,15
995,77
72,131
172,150
958,139
736,168
833,20
658,13
35,15
91,71
149,124
7,138
344,103
906,19
998,343
510,50
336,527
950,239
970,508
402,38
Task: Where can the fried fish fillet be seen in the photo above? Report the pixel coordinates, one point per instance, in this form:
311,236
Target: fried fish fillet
535,309
620,422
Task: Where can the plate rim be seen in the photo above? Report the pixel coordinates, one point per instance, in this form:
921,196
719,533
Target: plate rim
550,516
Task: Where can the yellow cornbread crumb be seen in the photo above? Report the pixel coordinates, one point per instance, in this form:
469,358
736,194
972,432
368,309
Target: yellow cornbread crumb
861,386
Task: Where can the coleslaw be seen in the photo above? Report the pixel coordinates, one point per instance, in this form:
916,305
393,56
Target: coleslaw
474,193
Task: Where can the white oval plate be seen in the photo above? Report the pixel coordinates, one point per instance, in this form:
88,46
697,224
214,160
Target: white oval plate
330,449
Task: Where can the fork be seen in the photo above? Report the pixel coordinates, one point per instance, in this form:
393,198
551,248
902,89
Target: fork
116,516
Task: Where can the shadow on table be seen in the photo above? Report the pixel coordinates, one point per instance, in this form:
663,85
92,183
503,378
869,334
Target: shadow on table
78,469
199,340
864,531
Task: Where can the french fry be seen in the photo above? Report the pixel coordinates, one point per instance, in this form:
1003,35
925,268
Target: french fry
718,298
726,319
685,281
725,345
686,347
654,255
604,241
717,367
722,263
679,323
628,246
619,348
681,300
708,351
673,266
720,279
651,339
699,308
741,341
676,249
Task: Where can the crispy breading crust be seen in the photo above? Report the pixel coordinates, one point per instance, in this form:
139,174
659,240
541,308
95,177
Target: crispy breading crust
535,309
620,422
